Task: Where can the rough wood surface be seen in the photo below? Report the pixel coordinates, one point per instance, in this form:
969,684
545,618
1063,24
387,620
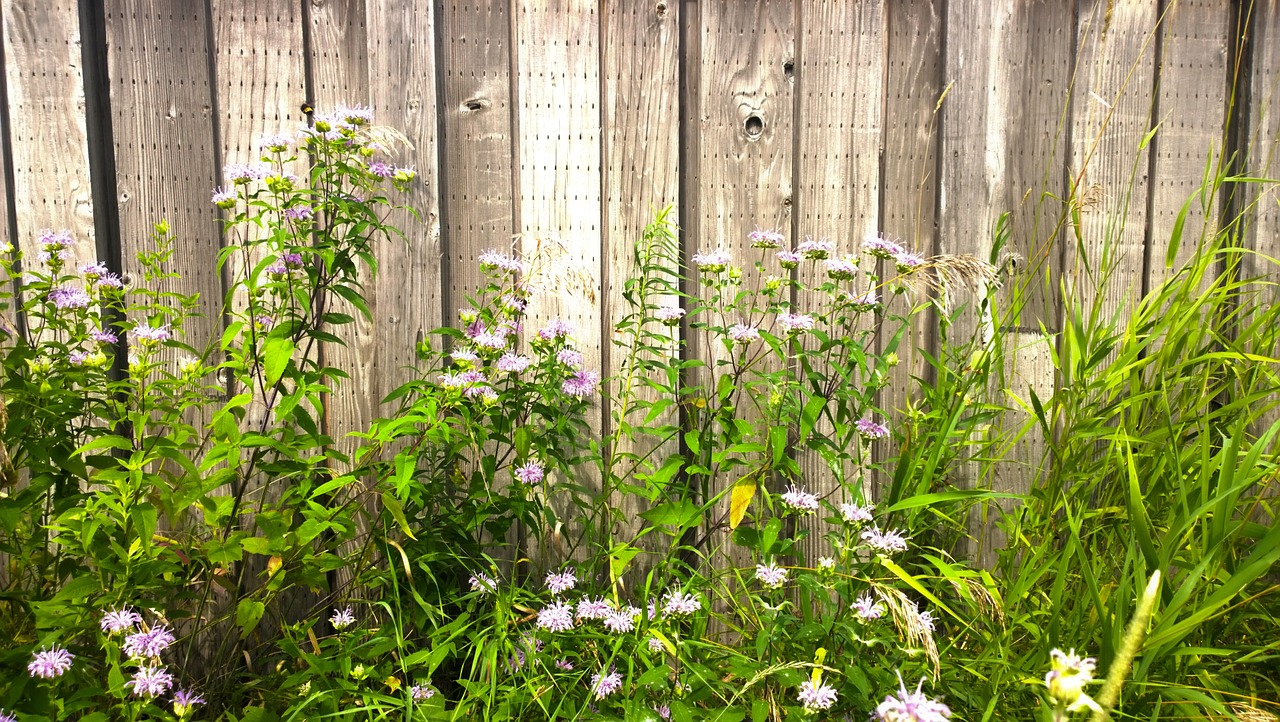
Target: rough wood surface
476,164
1110,115
914,84
1262,234
558,207
640,89
839,75
1191,111
47,133
745,116
166,152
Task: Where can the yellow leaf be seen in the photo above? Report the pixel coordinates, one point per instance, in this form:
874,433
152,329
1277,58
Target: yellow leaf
393,682
273,565
743,492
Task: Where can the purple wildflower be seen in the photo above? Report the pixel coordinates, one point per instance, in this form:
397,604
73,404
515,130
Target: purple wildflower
907,262
342,618
581,384
7,716
464,357
866,302
771,576
713,262
531,473
679,604
514,304
795,322
355,115
911,707
788,259
655,644
93,271
148,644
854,514
605,684
563,582
556,329
886,542
841,269
556,618
816,696
77,358
405,175
800,501
881,246
871,429
927,620
50,663
514,363
816,250
761,238
150,682
867,607
669,315
241,173
564,665
491,260
621,621
299,213
110,282
115,621
224,197
151,335
69,297
277,143
569,357
663,711
491,341
421,692
743,334
589,608
184,700
381,170
483,583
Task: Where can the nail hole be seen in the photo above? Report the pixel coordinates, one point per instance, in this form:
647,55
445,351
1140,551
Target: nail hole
789,69
475,104
754,126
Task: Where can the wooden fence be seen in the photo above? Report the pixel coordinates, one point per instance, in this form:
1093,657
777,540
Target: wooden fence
570,118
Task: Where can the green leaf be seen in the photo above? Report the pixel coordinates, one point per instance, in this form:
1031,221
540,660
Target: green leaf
248,614
276,355
809,416
392,505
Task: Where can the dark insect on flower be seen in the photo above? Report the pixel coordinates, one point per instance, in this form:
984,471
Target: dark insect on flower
307,108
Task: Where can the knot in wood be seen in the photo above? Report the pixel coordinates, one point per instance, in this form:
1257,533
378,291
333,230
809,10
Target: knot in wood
473,105
753,127
661,10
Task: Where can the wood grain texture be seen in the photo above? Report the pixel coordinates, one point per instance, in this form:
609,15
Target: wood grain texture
840,68
1191,110
1110,115
909,182
746,119
1003,146
47,134
165,149
476,175
640,86
558,209
1262,234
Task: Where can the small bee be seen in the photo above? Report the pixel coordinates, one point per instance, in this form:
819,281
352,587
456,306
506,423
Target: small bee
307,108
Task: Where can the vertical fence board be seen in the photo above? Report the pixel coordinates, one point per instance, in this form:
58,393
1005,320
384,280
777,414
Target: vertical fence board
1263,155
47,132
165,152
559,180
406,295
1193,77
745,118
839,73
1110,115
641,90
909,184
1003,150
476,166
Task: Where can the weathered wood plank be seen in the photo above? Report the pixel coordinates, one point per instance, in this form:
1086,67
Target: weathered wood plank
406,296
1003,147
839,75
1110,115
47,133
557,60
476,175
1262,234
640,84
909,184
745,116
1191,111
165,152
